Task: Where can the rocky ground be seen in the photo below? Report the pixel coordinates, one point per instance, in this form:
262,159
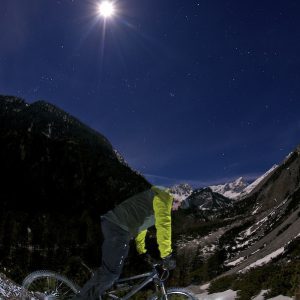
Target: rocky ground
9,290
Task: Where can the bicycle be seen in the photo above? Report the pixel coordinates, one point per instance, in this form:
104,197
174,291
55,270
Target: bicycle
48,285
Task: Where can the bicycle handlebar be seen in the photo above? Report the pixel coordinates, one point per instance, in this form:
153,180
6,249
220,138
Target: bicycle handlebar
159,264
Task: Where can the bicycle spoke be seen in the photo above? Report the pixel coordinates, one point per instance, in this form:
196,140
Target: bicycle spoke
50,284
48,281
60,284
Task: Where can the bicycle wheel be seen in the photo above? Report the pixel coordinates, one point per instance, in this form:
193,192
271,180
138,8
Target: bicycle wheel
50,285
175,294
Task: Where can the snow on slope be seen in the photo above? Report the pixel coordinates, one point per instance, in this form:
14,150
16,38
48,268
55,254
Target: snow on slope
254,184
231,295
227,295
264,260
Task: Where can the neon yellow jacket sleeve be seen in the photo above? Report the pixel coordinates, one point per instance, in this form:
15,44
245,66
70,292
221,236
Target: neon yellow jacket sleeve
162,205
140,242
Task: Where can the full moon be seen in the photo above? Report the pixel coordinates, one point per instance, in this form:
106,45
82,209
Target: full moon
106,9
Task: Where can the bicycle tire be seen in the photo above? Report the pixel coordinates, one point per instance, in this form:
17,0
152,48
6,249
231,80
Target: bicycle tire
175,293
64,288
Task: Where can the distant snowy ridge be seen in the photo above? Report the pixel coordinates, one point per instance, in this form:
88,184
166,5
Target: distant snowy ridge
230,190
254,184
235,190
239,188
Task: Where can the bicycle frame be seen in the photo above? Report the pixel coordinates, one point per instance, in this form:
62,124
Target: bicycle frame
149,277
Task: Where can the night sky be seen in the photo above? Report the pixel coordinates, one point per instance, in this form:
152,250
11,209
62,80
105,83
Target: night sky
187,91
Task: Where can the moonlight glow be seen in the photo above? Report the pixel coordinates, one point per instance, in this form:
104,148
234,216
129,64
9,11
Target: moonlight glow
106,9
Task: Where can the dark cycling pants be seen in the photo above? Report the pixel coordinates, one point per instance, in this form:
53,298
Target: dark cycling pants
114,250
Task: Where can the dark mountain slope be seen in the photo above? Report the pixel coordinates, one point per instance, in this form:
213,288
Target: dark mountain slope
57,177
205,199
281,183
257,229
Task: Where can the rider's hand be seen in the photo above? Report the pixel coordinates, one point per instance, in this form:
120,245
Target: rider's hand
145,257
169,263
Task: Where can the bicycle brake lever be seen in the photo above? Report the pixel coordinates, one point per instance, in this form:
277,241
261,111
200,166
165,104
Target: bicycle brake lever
165,275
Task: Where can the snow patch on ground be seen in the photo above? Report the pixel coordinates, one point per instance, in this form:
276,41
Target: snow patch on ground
264,260
263,292
235,262
260,296
205,286
227,295
280,297
231,295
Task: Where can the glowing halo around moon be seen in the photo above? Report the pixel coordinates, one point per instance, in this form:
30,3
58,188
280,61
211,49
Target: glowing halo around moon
106,9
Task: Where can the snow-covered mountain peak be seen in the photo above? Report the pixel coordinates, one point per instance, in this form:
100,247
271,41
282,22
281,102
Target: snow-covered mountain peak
231,190
180,192
240,187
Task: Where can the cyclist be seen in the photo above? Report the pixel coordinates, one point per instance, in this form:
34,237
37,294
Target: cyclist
130,219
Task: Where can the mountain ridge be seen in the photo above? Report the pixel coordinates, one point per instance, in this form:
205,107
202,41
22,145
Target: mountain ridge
58,177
